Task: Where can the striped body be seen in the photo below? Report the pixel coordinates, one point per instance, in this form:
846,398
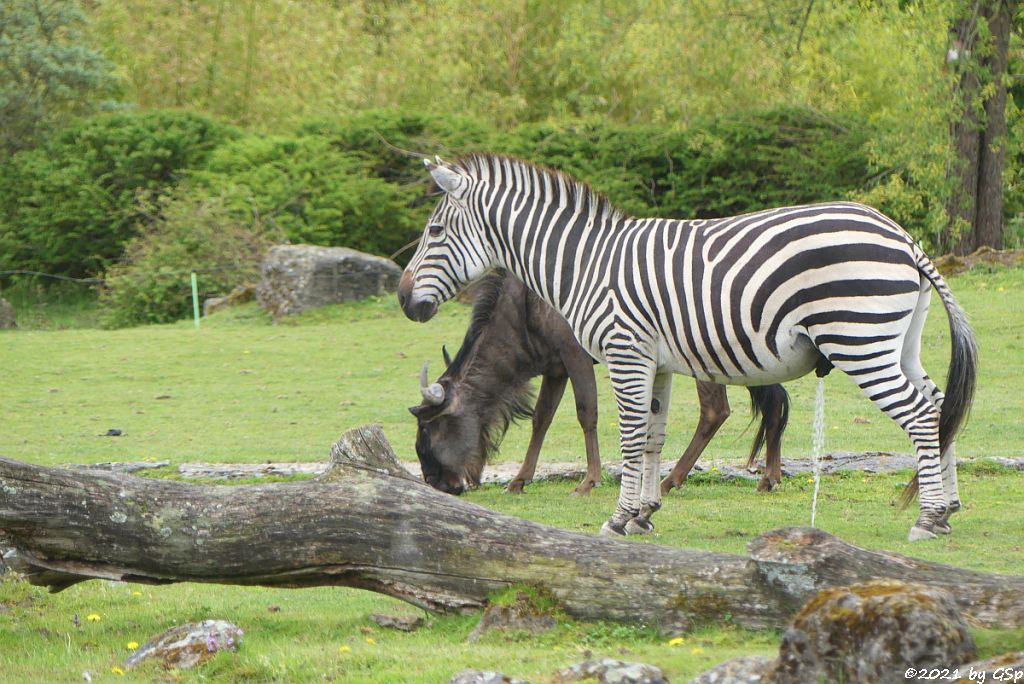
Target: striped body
751,300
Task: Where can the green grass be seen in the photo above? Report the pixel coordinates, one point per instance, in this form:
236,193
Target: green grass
244,389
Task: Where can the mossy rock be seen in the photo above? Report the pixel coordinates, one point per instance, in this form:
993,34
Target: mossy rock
873,632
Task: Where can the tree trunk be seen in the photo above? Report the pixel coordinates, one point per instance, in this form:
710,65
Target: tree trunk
979,134
366,523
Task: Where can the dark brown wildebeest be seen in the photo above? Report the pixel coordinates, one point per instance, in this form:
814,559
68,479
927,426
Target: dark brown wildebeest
515,336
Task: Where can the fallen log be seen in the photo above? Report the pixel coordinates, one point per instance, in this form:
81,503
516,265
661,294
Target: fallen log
367,523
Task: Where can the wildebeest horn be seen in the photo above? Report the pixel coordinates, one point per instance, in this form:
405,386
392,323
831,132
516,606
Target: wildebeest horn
447,358
434,393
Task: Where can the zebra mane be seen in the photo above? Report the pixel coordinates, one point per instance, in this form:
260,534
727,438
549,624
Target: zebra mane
498,167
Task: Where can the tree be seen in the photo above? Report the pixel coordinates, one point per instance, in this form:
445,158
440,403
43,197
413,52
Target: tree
979,55
49,74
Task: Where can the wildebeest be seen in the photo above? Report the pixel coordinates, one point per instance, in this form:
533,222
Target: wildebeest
515,336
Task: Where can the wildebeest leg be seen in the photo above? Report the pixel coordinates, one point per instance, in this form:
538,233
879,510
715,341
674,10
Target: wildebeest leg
714,409
584,386
771,403
551,390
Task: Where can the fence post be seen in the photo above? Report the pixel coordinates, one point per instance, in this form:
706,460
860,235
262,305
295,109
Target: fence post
195,300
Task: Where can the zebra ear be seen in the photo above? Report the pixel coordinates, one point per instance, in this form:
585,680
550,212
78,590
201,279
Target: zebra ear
448,178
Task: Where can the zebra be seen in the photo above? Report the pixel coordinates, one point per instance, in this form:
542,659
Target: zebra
755,299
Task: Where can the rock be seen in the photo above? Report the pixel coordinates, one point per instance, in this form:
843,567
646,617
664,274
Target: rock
1005,668
8,320
611,671
872,632
189,645
120,466
299,277
404,623
471,676
744,670
231,471
521,615
239,295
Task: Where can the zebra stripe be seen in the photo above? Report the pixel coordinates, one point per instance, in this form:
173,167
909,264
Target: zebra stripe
753,300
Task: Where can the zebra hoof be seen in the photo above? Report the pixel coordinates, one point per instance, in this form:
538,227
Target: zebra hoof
639,526
917,533
942,524
613,529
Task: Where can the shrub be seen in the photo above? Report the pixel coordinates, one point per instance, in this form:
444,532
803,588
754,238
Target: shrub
70,206
719,167
187,232
313,192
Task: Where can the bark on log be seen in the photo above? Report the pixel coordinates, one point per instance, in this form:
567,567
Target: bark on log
367,523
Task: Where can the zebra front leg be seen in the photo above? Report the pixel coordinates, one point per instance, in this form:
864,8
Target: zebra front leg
650,487
631,380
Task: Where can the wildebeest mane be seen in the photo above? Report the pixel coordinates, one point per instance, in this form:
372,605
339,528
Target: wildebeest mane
500,389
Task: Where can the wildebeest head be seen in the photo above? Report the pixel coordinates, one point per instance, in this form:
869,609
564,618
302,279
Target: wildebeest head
465,413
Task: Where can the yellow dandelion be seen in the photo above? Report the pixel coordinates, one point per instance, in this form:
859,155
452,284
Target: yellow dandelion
676,641
93,617
810,480
344,649
116,670
696,650
371,641
132,645
136,593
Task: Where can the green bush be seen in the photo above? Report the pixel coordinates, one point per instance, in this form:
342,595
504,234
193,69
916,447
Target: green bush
313,192
187,232
69,207
718,167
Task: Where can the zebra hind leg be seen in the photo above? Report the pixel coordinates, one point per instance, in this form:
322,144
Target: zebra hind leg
947,458
910,363
889,388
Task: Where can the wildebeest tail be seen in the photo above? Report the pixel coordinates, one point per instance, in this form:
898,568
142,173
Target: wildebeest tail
770,403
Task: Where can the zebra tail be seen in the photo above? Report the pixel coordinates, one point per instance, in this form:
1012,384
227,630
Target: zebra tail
962,378
767,401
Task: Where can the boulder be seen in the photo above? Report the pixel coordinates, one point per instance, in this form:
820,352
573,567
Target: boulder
299,277
743,670
7,318
188,645
474,676
522,615
612,671
872,632
239,295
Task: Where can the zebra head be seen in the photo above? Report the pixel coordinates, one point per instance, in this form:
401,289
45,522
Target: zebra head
453,249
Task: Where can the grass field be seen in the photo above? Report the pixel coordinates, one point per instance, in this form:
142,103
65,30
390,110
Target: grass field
242,389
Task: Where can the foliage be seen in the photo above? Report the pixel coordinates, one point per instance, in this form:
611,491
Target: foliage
313,191
186,232
69,207
719,167
49,72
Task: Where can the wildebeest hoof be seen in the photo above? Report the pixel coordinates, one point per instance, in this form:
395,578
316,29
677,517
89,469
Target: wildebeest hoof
766,484
668,485
613,529
583,488
639,525
917,533
515,487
